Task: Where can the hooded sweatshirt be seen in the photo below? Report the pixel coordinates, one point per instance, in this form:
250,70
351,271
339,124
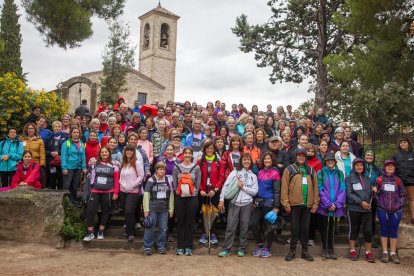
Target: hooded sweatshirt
358,189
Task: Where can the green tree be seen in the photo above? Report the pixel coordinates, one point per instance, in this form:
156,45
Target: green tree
374,85
10,57
66,23
294,41
118,59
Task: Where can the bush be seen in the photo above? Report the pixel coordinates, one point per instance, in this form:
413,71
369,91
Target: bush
74,227
383,152
16,102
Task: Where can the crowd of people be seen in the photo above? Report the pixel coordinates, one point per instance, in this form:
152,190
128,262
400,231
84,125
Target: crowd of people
255,167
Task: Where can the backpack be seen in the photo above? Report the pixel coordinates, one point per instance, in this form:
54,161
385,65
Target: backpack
185,185
154,179
68,144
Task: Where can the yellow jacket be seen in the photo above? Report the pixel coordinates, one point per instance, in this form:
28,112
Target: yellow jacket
37,147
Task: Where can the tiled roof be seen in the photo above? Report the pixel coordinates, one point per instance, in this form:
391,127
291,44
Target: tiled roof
161,10
133,71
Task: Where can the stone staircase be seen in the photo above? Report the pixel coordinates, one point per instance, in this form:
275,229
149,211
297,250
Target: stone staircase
279,248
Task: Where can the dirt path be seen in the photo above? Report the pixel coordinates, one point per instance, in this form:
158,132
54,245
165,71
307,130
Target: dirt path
34,259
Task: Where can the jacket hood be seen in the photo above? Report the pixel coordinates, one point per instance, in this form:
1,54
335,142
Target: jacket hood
392,176
358,160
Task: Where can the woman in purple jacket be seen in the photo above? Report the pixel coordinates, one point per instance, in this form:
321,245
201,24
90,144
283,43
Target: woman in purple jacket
332,193
390,200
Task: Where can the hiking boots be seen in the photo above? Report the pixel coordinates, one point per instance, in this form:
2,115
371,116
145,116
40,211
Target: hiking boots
123,236
369,257
332,255
325,255
147,251
305,255
290,256
384,257
188,252
353,255
395,258
203,239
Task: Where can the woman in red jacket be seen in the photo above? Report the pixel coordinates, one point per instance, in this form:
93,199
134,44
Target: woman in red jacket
92,147
209,186
27,173
230,158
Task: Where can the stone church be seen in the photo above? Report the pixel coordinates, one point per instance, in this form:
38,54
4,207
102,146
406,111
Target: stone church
155,79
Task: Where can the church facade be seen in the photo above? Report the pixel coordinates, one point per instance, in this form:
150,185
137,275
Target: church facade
155,78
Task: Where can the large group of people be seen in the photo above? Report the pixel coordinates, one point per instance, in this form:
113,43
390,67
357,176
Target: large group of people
257,168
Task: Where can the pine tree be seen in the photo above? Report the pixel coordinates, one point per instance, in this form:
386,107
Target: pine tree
10,57
118,60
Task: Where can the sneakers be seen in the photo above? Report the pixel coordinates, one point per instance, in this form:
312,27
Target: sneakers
332,255
203,239
258,251
224,253
266,253
352,255
395,258
213,239
147,252
138,225
325,255
131,238
100,235
90,236
384,257
290,256
161,251
179,252
311,243
240,253
306,256
123,236
170,238
369,257
188,252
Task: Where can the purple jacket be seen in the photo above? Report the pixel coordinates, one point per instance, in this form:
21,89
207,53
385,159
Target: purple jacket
391,193
332,189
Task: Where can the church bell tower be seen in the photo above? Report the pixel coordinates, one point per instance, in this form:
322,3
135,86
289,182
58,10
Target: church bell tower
157,49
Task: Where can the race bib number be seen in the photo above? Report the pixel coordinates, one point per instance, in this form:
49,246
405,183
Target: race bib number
161,195
357,187
101,180
304,180
389,188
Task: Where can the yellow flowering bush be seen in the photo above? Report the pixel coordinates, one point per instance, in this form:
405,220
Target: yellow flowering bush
16,102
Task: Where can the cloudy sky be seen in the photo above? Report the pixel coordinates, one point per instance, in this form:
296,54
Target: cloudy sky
209,64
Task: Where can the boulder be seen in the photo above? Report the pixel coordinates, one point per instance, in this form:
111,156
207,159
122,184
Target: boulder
28,215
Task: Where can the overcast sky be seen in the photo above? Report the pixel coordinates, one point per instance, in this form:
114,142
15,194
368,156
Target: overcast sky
209,64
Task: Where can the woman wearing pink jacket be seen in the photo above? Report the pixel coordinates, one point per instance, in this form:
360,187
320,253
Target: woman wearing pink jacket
131,179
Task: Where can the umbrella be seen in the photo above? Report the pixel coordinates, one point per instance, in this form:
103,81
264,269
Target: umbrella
210,213
147,107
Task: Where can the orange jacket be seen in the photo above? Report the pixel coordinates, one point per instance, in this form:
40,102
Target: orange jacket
254,153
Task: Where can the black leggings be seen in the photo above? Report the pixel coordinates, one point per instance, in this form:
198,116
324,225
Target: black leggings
327,229
129,203
186,208
356,219
105,201
6,178
256,224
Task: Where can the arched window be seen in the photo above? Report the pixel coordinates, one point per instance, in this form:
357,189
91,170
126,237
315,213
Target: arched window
146,37
165,35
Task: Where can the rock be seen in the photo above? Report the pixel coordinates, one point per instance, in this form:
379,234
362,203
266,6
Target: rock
28,215
406,236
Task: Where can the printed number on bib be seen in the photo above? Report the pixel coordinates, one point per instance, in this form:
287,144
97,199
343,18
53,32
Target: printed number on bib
161,195
101,180
389,188
357,187
304,180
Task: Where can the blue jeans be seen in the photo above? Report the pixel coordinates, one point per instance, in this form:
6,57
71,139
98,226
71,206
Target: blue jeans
161,219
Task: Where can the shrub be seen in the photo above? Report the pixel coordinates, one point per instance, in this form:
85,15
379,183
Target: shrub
16,102
383,152
74,227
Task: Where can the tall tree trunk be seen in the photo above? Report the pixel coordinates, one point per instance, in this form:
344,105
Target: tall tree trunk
321,74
